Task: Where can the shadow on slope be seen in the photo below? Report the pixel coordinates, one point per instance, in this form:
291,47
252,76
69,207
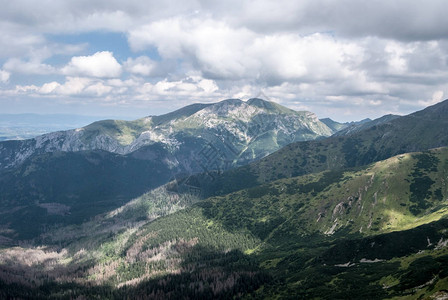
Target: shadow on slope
71,187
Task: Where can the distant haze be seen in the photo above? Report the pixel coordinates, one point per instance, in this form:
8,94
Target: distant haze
22,126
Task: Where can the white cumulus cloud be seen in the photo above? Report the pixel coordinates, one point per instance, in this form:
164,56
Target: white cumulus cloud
101,64
191,86
142,65
50,87
4,76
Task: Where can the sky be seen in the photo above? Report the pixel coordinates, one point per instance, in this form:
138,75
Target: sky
345,59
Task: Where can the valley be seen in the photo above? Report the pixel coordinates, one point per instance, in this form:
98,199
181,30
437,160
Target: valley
348,215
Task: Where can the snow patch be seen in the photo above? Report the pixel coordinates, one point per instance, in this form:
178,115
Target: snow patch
332,229
346,265
369,261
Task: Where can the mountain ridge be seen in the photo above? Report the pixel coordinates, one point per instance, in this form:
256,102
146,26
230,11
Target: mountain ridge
250,119
365,124
337,126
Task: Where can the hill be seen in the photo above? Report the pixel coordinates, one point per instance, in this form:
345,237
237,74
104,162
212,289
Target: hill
61,188
374,232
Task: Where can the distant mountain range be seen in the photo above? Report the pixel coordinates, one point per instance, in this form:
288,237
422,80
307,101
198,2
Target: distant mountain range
336,126
26,126
353,127
360,212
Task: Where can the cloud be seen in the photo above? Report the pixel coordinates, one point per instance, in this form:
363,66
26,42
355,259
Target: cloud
16,41
98,89
222,52
399,19
345,57
212,44
437,96
73,86
49,87
100,64
77,86
405,20
4,76
28,67
75,16
142,65
192,87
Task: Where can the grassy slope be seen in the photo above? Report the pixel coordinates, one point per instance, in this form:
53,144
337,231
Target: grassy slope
311,228
364,209
338,234
125,132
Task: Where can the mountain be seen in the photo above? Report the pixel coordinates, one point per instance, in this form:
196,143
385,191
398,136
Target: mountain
365,124
419,131
75,180
70,176
362,215
374,232
336,126
235,128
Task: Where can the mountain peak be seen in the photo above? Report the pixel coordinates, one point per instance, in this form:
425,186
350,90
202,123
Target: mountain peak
232,101
182,112
224,107
270,106
260,103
